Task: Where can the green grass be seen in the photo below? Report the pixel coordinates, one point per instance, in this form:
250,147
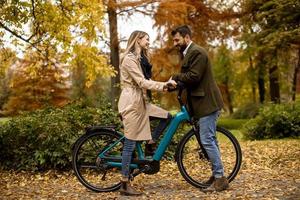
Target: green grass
238,134
232,124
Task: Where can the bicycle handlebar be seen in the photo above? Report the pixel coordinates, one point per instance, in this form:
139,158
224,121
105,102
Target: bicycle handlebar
180,87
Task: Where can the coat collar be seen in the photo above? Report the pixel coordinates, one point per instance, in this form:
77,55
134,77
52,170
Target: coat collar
187,48
186,57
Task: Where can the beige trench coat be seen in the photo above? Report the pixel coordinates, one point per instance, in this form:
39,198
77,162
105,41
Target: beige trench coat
133,105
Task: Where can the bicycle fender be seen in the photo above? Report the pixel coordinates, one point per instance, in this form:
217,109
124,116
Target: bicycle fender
92,129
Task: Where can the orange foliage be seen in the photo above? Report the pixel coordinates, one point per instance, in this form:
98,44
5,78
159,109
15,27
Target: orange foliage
35,84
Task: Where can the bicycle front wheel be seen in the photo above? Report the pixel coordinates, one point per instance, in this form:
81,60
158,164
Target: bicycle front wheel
88,167
195,167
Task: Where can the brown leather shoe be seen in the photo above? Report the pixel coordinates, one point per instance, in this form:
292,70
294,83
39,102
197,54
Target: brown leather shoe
210,180
127,190
218,185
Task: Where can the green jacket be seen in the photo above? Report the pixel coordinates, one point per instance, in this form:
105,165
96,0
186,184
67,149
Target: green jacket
196,73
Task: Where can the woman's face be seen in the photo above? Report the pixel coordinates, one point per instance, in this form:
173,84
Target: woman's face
144,42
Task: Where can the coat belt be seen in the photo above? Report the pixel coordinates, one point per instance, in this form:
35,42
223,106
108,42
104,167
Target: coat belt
128,85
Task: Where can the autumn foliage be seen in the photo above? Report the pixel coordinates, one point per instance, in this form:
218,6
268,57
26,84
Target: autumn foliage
36,84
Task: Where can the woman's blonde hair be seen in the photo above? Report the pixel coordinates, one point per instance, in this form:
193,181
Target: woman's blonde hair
133,46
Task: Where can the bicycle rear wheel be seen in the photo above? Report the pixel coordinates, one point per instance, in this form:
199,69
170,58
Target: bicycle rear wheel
88,167
195,167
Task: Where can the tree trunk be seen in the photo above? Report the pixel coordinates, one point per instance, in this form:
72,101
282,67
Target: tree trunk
261,76
227,92
261,89
228,97
274,84
294,86
114,51
251,78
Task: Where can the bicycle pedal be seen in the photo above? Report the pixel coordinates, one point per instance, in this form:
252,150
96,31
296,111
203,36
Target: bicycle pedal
131,177
135,172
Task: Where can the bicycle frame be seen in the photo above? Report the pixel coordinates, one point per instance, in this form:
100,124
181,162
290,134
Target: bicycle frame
181,116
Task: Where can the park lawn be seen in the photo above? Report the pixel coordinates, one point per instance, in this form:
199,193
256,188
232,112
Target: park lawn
238,134
270,170
232,124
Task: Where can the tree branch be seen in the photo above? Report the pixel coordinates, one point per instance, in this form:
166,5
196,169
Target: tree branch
33,9
15,34
33,44
105,41
63,9
19,36
138,3
135,9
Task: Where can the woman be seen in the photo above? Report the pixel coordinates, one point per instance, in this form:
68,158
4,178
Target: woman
133,105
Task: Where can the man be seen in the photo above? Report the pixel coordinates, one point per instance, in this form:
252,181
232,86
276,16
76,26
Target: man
204,97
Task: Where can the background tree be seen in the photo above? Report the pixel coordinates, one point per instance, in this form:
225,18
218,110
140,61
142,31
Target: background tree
275,27
36,84
114,49
223,71
67,27
72,27
81,91
7,58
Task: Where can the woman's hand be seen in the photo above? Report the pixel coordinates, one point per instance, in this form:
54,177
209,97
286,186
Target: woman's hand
170,84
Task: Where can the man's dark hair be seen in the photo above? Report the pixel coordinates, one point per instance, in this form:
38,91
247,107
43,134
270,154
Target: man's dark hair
182,30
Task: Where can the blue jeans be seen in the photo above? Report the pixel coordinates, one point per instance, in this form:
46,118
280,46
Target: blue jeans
208,126
128,148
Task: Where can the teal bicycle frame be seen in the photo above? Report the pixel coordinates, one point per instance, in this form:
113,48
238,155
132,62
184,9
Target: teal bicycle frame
181,116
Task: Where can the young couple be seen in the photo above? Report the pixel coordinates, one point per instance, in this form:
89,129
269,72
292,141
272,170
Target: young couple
205,98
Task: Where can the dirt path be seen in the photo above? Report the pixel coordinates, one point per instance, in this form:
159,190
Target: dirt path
270,170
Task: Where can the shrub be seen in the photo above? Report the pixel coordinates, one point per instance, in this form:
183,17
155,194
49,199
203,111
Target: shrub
247,111
274,121
43,139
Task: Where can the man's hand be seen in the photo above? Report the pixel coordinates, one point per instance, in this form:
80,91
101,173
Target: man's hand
170,84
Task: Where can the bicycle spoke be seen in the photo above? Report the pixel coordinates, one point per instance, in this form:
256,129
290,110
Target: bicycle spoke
196,168
91,171
88,166
103,176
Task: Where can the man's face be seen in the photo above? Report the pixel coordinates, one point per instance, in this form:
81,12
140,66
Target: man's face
179,42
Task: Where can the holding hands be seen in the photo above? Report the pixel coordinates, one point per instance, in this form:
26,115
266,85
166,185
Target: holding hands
170,84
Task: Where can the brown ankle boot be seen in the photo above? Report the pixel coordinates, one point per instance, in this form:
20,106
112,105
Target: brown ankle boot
127,190
218,185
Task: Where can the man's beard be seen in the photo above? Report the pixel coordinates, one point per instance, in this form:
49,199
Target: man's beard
182,48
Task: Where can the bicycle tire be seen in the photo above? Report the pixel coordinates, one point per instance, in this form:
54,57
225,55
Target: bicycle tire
84,161
197,170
